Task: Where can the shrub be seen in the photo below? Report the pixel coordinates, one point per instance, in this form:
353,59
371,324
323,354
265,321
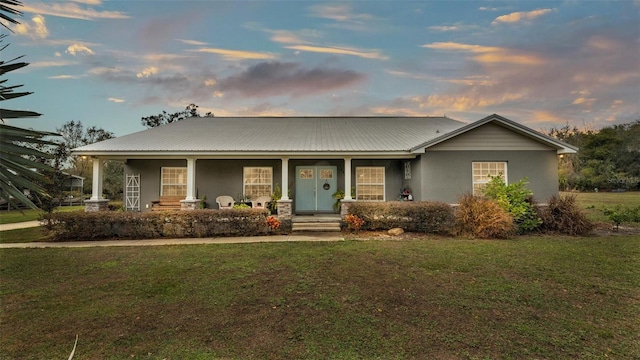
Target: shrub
354,222
563,215
619,215
516,199
65,226
273,223
419,216
484,218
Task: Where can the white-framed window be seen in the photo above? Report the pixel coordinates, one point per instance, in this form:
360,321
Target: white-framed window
481,171
258,181
370,183
173,181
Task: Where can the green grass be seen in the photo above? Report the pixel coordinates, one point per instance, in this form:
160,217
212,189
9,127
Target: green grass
23,235
592,202
15,216
533,297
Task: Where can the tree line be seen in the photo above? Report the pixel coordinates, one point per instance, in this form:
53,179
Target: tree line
607,159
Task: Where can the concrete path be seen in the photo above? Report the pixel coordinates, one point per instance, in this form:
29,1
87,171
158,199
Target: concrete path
20,225
186,241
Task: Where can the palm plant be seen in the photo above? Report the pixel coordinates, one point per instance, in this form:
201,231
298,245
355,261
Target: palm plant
19,165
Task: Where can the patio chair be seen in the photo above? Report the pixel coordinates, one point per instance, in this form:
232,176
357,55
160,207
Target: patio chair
225,202
261,202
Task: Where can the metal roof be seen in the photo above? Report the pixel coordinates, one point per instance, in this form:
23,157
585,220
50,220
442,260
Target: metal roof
297,135
281,134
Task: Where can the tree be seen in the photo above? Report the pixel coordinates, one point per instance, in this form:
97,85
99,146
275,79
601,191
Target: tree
607,159
166,118
18,171
75,135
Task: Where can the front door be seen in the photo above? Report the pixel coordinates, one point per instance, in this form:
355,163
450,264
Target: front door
315,186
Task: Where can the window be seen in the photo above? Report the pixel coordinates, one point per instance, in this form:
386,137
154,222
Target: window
173,181
482,170
257,181
370,183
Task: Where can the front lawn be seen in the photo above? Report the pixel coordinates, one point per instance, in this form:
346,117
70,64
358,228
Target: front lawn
442,298
15,216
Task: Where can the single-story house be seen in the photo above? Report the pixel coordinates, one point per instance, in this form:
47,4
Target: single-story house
310,158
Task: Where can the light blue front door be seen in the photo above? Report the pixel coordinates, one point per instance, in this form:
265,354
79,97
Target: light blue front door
315,186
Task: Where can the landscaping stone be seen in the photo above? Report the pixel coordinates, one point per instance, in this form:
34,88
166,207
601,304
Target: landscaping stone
395,231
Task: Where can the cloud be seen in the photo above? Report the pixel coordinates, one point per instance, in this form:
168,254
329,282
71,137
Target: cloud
78,48
444,28
293,37
116,100
36,30
368,54
345,18
337,12
192,42
519,16
237,54
63,77
490,54
152,70
47,64
72,10
288,79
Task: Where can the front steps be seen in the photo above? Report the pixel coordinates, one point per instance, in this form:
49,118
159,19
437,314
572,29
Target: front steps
316,223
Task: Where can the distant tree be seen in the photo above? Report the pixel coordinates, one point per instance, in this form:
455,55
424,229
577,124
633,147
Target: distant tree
607,159
75,135
166,118
18,170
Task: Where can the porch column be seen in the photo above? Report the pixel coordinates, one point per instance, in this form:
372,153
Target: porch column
191,179
96,186
347,179
285,179
96,202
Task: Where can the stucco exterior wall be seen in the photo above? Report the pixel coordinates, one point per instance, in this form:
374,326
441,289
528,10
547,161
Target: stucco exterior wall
224,177
446,175
213,177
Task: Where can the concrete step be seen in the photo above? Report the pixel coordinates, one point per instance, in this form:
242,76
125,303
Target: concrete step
316,227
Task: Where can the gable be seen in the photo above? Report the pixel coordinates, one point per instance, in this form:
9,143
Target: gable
490,136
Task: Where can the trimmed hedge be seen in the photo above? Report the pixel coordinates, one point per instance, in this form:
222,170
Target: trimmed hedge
419,216
67,226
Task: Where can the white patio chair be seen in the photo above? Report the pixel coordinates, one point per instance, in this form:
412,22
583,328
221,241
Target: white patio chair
261,202
225,202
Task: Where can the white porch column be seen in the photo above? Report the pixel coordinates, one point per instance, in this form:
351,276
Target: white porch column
96,186
285,179
347,179
191,179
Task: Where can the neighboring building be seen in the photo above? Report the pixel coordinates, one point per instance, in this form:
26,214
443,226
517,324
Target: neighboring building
309,158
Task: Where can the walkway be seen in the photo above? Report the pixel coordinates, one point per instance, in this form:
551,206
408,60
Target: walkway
20,225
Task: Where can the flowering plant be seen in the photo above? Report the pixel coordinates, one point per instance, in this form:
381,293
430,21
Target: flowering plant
354,222
273,223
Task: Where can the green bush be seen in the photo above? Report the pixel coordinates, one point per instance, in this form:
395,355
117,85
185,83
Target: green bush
66,226
619,214
516,199
562,215
419,216
484,218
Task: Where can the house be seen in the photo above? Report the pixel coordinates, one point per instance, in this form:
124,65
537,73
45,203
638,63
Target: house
310,158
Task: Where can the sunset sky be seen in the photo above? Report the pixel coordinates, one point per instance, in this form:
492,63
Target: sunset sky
540,63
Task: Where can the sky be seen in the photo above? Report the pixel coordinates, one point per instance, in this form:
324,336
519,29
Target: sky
543,64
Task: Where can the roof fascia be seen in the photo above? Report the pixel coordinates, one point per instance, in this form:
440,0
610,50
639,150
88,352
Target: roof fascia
121,155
